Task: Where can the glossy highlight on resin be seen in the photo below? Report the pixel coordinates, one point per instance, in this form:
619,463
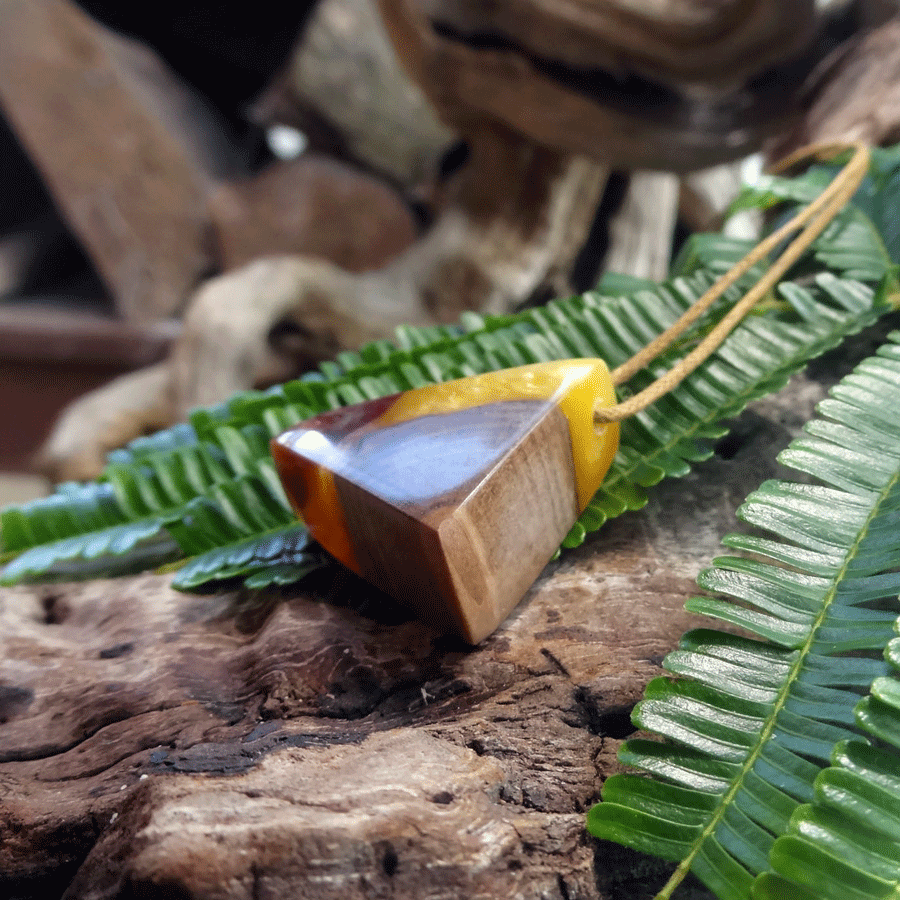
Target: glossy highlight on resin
454,496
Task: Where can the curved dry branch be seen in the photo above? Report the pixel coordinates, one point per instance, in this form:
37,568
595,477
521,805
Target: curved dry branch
685,106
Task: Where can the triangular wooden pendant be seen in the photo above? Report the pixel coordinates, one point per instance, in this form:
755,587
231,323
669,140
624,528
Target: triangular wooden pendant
453,497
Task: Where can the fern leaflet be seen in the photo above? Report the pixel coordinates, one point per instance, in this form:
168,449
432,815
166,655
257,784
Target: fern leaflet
206,490
749,722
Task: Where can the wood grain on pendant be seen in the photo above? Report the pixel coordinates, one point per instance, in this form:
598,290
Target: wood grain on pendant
456,514
452,498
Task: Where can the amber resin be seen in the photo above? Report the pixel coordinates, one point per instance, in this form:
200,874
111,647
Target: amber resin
454,496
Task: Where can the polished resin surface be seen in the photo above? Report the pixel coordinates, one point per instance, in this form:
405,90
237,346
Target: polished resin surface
378,482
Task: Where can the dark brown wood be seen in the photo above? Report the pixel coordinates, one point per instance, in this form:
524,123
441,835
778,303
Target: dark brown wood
516,74
321,745
679,42
33,331
858,100
123,146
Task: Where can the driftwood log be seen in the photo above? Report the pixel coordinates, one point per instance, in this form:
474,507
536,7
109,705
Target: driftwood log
547,96
322,745
665,85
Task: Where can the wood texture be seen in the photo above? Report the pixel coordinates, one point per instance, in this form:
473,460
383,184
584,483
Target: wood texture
642,230
122,145
312,206
479,77
265,322
453,514
346,72
859,100
321,745
681,42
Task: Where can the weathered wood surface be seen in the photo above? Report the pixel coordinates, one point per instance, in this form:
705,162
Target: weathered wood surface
570,76
323,746
314,206
679,42
344,73
859,99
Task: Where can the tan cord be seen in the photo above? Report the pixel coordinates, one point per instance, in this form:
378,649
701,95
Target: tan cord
813,219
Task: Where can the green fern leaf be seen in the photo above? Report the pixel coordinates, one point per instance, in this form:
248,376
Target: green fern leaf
215,472
846,843
750,722
281,556
117,550
869,224
756,359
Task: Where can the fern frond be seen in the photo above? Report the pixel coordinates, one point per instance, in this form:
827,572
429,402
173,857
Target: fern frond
870,222
757,358
209,484
280,556
846,843
749,722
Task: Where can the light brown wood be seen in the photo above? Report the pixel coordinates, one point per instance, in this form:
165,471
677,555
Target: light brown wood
463,558
641,231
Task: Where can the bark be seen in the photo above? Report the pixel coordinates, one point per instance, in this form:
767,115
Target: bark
320,744
859,100
678,42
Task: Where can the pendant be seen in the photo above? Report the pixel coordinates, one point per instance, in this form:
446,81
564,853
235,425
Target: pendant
453,497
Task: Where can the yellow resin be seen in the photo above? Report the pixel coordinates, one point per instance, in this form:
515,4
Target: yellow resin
576,386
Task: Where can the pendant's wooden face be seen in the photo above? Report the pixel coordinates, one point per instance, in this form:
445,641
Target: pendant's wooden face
453,497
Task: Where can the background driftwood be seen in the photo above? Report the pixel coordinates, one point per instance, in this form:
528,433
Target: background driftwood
314,255
322,745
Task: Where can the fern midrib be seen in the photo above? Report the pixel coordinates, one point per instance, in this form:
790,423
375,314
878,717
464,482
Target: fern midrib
766,732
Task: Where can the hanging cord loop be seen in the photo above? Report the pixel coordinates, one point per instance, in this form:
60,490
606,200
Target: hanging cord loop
813,220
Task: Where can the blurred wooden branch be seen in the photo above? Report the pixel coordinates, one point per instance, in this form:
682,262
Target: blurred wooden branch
121,146
158,744
859,100
319,255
